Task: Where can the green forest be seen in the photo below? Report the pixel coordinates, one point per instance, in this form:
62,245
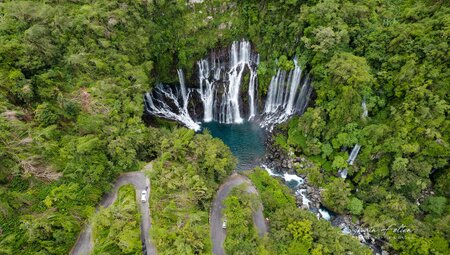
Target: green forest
116,228
294,230
72,78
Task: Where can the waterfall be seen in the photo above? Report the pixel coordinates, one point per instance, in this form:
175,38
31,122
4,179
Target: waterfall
295,81
288,178
183,88
303,98
240,58
284,97
206,89
270,171
351,159
343,173
364,107
230,112
292,177
164,102
252,95
357,147
226,108
273,100
299,191
220,81
353,154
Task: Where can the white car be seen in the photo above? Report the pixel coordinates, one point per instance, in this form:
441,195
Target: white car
144,196
224,224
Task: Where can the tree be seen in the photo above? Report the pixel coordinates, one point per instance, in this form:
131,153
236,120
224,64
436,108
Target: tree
434,205
355,206
339,162
336,195
302,234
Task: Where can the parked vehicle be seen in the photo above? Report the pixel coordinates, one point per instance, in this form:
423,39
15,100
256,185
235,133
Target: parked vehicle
144,196
224,224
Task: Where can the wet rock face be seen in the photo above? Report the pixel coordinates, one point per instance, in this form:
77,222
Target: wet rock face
276,157
282,160
314,196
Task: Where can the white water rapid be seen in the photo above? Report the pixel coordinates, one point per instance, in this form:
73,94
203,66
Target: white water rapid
289,178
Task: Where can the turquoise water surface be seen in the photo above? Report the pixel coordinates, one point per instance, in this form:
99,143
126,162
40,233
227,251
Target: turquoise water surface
245,140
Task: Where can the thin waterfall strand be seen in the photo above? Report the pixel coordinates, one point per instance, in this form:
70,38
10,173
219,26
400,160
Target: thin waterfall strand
207,88
252,95
364,107
354,154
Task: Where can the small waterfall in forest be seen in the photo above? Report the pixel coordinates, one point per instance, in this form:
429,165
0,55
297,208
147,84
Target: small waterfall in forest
353,154
285,98
305,200
221,77
364,107
286,176
357,147
343,173
289,178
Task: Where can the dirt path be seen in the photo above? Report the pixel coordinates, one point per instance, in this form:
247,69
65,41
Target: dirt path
217,233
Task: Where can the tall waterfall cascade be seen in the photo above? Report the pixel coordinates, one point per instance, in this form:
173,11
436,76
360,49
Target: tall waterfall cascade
221,78
285,98
217,76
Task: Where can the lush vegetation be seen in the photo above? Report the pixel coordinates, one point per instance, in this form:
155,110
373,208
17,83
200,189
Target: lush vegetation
184,179
72,75
242,237
394,55
71,108
296,231
116,229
